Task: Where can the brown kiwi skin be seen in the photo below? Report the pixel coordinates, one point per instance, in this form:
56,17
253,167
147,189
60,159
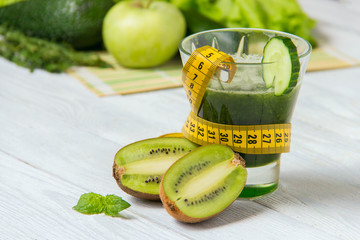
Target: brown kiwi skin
176,213
117,175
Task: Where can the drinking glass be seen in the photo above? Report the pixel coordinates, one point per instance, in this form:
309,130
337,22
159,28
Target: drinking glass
246,100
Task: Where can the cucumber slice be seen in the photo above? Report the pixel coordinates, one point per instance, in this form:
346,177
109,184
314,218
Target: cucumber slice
282,66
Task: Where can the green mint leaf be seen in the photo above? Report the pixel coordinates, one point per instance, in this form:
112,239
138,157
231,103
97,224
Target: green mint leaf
90,203
114,205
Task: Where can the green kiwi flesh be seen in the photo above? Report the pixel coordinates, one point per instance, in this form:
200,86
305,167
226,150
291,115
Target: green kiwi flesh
139,167
203,183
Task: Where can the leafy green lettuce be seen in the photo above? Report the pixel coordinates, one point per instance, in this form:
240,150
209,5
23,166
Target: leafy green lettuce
279,15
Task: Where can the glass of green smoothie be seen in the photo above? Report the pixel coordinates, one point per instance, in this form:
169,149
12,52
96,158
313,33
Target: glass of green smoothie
264,89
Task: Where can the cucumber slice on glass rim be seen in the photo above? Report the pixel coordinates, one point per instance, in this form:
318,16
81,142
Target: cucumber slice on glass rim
282,66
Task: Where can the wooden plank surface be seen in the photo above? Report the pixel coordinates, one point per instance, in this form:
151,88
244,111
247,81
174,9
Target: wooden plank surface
68,150
35,204
58,141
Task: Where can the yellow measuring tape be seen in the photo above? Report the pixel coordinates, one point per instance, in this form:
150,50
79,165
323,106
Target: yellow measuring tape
251,139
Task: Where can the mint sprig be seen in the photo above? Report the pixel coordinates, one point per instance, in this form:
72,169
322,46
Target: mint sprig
93,203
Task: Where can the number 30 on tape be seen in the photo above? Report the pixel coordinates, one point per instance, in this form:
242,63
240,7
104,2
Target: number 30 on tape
251,139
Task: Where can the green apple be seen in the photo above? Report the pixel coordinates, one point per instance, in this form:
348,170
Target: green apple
143,34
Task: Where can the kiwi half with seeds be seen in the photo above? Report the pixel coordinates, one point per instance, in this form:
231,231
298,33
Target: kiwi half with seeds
139,167
203,183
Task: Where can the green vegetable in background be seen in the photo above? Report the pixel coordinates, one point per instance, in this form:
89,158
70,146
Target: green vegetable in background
197,22
77,22
93,203
35,53
279,15
8,2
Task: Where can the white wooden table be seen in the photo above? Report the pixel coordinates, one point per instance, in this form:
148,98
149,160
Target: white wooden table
58,140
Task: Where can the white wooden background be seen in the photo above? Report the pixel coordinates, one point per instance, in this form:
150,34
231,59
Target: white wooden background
58,140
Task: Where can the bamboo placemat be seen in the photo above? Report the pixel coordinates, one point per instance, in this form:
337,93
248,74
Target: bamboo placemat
120,80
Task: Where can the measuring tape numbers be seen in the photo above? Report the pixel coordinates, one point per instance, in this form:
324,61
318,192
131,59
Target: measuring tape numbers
199,69
250,139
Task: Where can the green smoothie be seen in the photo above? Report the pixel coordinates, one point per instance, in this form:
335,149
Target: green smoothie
241,107
249,108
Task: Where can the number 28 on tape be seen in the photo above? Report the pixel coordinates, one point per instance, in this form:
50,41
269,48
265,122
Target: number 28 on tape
251,139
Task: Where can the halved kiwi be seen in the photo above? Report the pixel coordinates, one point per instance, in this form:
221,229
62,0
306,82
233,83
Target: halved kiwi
139,167
202,183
